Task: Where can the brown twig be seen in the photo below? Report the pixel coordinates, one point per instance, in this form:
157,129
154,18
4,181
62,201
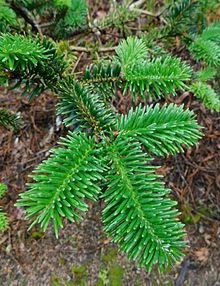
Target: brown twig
89,50
28,17
77,62
183,273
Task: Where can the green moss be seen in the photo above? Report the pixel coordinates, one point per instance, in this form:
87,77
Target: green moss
109,256
204,211
37,234
103,278
112,273
61,261
189,217
115,275
73,241
80,275
56,281
138,281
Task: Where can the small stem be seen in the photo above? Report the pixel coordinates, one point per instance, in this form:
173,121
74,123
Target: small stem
148,13
136,4
145,12
89,50
103,80
28,17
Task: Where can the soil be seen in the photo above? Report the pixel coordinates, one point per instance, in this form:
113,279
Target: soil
83,255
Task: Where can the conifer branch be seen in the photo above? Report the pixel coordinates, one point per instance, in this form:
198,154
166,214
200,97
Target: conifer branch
137,214
28,17
108,154
3,217
60,185
206,46
161,130
207,95
83,108
8,119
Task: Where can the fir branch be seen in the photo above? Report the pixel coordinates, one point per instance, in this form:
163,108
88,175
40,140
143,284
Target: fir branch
71,15
137,214
3,218
206,46
179,16
3,221
7,17
20,51
30,61
61,185
130,52
158,77
161,130
212,33
206,74
8,119
207,95
207,51
3,189
102,79
84,108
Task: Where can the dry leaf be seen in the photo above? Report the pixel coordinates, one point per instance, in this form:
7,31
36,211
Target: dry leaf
202,254
207,238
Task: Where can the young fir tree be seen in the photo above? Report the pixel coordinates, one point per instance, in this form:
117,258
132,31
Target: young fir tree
109,156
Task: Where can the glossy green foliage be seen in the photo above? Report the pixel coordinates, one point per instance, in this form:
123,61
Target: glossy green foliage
161,130
157,77
31,62
102,78
71,15
212,33
206,74
101,72
63,181
206,46
179,15
20,52
112,164
206,51
108,154
131,52
137,214
8,119
3,218
7,17
84,108
207,95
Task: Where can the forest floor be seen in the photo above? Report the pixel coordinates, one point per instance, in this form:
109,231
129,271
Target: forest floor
83,255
